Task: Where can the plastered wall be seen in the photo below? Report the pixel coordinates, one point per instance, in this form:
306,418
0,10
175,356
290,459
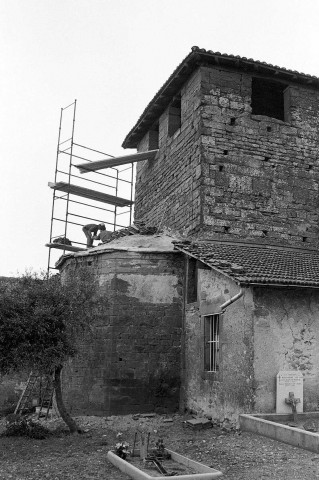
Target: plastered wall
265,331
286,337
229,391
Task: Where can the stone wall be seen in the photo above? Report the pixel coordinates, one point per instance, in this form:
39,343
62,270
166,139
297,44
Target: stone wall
233,174
167,189
260,174
131,360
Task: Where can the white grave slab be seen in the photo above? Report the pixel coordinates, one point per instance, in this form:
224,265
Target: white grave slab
289,381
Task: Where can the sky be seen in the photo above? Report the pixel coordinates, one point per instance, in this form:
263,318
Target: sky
112,56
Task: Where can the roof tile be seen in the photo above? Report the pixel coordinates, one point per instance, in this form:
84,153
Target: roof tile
258,264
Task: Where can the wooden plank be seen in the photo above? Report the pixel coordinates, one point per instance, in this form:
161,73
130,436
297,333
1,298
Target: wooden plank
61,246
91,194
115,162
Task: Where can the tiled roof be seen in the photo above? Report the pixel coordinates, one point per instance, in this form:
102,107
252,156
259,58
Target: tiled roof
258,264
196,57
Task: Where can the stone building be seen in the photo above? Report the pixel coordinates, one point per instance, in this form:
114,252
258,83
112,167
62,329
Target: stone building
236,175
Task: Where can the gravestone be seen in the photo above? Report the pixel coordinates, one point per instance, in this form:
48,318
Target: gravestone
289,381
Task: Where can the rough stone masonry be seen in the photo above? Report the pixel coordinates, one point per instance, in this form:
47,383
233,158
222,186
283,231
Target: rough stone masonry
234,169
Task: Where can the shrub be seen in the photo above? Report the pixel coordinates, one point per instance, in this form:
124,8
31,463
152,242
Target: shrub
25,427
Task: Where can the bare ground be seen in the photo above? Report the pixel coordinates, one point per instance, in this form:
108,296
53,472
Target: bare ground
240,456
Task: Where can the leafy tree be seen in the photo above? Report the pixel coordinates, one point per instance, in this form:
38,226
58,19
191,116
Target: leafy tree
42,320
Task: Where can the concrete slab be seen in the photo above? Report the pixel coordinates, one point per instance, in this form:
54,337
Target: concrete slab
267,426
204,472
199,423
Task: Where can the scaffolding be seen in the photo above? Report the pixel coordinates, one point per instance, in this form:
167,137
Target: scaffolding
108,193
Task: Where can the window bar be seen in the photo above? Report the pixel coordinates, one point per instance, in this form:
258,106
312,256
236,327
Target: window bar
217,350
210,343
132,181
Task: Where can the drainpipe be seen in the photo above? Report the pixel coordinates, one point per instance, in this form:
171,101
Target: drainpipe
231,300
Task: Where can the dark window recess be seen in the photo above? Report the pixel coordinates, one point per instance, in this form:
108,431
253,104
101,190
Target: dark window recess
192,281
267,159
174,116
310,167
267,98
226,229
304,239
268,129
225,152
221,168
265,232
232,121
153,137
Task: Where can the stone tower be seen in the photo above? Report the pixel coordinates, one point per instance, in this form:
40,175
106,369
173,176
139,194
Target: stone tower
238,151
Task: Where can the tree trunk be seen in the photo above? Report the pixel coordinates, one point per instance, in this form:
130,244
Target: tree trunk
59,402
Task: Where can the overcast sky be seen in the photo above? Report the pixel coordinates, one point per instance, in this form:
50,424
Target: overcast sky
112,56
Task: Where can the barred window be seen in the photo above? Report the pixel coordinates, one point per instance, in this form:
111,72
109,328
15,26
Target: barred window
211,339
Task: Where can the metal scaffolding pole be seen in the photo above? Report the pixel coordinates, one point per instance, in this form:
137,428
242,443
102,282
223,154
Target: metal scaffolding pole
105,189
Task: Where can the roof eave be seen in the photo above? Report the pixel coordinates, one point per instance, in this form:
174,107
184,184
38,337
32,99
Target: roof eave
196,57
277,285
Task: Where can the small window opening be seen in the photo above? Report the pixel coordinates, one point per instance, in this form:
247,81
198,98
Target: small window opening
265,233
211,343
304,239
267,98
268,129
267,159
232,121
153,137
192,280
273,166
310,167
174,116
120,359
225,152
221,168
226,229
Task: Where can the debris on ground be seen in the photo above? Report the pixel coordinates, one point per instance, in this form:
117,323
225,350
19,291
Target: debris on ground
62,456
199,423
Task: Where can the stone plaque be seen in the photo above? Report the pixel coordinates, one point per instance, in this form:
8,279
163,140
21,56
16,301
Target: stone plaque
289,381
